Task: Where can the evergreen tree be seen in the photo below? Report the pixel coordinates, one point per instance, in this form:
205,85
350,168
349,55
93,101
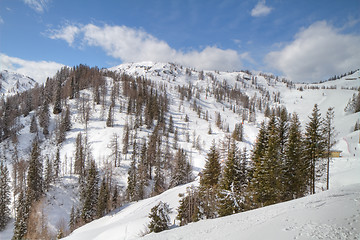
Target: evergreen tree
57,100
171,125
295,172
4,196
211,173
34,176
314,145
132,182
181,172
91,194
103,198
56,165
72,219
48,174
231,183
159,216
33,125
329,134
22,216
45,117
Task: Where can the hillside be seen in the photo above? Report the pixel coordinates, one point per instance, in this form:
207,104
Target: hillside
13,83
196,99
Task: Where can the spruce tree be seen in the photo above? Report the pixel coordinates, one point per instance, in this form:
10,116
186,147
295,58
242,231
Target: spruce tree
34,176
91,194
56,166
181,173
33,125
230,185
103,198
57,100
159,216
211,173
44,118
4,196
314,145
131,190
22,216
295,171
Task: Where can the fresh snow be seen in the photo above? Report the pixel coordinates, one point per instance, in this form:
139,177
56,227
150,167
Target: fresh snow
299,219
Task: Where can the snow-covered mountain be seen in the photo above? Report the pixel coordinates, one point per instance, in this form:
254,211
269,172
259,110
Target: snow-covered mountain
196,99
12,83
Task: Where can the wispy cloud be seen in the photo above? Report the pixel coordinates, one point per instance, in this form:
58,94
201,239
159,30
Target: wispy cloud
132,45
67,33
317,52
38,70
1,20
260,9
37,5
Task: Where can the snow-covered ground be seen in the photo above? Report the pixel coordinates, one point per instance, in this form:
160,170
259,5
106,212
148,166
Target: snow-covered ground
324,215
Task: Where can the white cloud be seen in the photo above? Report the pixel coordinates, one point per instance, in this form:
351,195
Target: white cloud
318,52
260,9
38,70
67,33
132,45
1,20
37,5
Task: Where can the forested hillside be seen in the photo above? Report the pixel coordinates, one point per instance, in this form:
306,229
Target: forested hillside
92,141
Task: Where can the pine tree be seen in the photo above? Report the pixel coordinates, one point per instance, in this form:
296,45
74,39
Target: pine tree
91,194
329,134
125,141
211,173
57,100
33,125
171,125
4,196
22,216
159,216
231,184
132,182
181,173
103,198
314,145
44,118
72,219
48,174
34,177
56,165
295,172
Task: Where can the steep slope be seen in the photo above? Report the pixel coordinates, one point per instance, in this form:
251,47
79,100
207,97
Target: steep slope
302,218
13,83
198,96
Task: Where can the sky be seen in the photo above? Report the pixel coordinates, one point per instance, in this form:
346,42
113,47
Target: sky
304,41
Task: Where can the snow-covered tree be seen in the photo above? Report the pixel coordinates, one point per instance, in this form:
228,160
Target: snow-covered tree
159,216
4,196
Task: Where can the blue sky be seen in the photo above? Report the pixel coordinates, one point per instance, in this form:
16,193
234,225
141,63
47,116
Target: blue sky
301,40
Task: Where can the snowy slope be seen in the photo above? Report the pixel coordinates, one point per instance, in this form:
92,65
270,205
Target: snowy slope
130,220
330,215
333,214
13,83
